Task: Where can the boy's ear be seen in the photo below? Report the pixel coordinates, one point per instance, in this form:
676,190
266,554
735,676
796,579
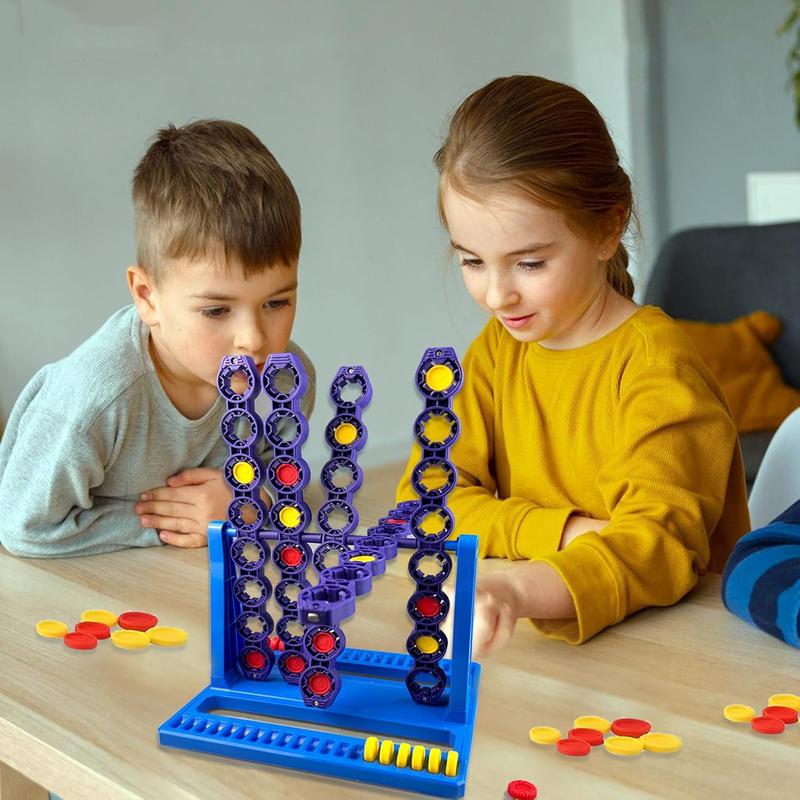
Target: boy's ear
141,288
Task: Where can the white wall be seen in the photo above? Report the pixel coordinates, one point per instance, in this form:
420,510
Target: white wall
350,96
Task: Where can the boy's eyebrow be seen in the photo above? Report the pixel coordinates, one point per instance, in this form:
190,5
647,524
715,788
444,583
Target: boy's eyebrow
225,298
531,248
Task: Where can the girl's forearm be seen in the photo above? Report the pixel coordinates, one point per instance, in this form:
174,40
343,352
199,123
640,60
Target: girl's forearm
540,592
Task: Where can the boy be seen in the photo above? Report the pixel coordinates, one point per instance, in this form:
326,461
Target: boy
117,445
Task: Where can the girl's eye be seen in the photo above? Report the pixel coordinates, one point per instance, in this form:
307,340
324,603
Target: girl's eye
471,263
531,266
277,303
214,313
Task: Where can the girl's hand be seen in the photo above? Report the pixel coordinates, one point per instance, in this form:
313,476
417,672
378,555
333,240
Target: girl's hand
576,526
496,613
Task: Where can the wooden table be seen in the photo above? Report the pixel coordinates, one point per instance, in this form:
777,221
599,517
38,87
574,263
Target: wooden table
84,724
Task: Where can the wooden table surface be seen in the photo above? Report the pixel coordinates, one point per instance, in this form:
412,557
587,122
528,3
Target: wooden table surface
85,724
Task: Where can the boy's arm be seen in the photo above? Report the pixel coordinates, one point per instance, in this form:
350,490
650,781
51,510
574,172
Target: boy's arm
48,507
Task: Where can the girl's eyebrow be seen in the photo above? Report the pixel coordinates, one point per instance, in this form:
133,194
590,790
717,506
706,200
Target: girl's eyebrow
531,248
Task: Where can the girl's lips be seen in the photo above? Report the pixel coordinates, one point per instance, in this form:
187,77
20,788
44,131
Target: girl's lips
516,322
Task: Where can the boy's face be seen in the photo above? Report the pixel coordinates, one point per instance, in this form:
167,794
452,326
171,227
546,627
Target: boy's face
523,264
201,312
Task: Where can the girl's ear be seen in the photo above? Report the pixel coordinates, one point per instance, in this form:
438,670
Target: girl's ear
608,245
140,284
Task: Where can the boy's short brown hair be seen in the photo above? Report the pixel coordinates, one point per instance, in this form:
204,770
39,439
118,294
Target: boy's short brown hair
212,189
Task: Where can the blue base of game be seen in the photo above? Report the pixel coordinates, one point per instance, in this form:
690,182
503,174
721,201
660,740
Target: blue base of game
374,699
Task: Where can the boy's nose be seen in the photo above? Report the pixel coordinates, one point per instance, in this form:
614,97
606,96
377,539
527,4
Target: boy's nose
249,340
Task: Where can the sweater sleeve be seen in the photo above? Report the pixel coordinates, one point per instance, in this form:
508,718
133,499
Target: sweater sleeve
664,488
513,527
49,509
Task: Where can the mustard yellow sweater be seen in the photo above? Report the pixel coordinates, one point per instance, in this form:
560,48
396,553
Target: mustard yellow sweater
631,428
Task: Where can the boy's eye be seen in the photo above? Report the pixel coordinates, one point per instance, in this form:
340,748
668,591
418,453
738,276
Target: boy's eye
277,303
214,313
531,266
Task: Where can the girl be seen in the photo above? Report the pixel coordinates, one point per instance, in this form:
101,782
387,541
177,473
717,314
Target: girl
595,443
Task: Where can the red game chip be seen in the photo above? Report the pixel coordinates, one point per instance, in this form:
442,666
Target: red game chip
97,629
783,713
521,790
324,642
137,621
589,735
394,521
80,641
768,725
320,684
287,474
573,747
291,556
294,664
628,726
276,643
255,660
428,606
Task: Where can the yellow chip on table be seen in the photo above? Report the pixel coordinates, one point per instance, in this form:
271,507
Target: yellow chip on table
661,742
543,734
790,700
51,628
130,640
164,636
623,745
99,615
595,723
736,712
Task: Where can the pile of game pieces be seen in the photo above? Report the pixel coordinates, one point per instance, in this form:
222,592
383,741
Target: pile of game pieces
630,737
780,711
137,630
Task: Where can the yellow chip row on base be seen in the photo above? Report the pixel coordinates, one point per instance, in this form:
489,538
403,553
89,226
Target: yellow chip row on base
417,756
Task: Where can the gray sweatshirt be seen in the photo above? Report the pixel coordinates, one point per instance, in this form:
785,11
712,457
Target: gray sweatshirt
91,432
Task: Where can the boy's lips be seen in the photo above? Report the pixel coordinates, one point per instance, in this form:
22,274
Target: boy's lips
516,322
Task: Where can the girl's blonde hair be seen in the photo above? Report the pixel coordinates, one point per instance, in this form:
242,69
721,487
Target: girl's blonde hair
547,140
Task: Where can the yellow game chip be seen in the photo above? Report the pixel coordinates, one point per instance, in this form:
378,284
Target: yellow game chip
736,712
130,640
290,516
790,700
371,748
417,757
386,753
595,723
623,745
165,636
365,559
451,765
51,628
543,734
403,754
434,760
439,377
661,742
99,615
426,644
243,472
346,433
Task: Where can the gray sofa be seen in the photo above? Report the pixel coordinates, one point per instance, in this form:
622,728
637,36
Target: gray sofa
718,274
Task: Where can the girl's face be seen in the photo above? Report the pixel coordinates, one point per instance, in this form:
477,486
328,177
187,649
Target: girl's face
523,264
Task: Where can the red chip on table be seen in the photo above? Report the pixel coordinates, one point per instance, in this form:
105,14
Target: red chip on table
573,747
521,790
80,641
767,725
590,735
783,713
137,621
629,726
97,629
